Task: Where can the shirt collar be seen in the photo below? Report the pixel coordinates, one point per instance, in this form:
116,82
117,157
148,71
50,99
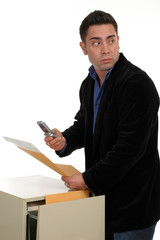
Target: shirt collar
94,75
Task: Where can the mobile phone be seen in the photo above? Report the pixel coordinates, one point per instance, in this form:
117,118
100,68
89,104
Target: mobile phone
47,131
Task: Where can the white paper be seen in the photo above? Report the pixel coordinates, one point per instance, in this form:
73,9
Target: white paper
22,144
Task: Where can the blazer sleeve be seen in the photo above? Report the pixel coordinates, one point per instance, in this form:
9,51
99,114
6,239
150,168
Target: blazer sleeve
137,112
74,134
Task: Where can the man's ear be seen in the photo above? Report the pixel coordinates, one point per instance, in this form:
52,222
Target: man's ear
83,47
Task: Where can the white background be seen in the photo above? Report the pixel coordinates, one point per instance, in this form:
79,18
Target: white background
42,67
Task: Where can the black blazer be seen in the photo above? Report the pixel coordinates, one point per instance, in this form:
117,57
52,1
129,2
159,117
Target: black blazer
122,159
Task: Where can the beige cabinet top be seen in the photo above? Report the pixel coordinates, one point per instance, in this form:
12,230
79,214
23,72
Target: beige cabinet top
31,188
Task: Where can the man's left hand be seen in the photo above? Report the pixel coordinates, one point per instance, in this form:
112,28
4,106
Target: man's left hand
75,182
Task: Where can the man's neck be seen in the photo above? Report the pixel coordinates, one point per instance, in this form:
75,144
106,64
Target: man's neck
101,77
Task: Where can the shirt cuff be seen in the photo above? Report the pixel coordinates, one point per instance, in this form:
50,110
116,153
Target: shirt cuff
63,149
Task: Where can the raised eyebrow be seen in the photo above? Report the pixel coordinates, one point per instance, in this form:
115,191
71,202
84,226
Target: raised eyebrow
111,36
95,38
98,38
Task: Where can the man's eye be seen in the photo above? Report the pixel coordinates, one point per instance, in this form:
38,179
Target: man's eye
111,41
96,43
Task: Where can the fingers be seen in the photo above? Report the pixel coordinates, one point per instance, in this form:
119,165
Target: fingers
65,179
57,132
75,182
57,143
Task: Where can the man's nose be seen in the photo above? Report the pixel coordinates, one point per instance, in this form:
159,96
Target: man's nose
105,48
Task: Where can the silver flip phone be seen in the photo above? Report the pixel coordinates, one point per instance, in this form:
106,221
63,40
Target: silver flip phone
47,131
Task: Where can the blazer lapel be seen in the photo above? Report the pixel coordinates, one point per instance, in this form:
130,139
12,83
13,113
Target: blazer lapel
102,108
89,107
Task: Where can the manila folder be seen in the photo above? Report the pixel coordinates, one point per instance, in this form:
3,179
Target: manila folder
64,170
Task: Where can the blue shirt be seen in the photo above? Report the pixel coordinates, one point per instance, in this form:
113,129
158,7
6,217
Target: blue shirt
98,92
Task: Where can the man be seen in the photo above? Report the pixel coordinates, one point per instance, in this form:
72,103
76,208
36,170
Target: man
117,126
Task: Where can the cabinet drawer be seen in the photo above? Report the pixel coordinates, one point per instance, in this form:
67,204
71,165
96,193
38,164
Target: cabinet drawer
75,220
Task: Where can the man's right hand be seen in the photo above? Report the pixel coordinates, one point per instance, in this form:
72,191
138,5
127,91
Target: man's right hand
57,143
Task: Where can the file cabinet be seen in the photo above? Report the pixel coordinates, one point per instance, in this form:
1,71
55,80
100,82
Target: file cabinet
22,202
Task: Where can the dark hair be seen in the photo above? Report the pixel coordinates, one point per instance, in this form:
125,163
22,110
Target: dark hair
96,18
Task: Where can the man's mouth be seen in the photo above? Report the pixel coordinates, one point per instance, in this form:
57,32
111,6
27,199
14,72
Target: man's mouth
106,60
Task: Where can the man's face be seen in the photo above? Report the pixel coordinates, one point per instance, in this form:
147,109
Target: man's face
102,47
